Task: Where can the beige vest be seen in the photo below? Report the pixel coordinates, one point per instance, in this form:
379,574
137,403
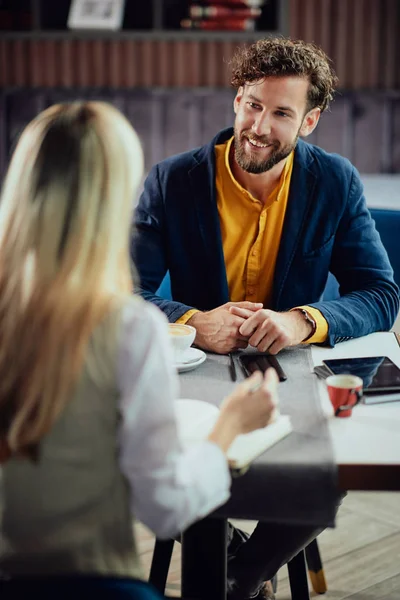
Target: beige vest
70,512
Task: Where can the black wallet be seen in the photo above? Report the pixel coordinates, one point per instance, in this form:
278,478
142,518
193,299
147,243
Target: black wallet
259,361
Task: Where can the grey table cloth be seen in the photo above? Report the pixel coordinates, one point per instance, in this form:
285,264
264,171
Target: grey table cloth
295,480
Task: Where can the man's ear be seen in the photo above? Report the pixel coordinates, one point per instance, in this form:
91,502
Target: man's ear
238,97
310,122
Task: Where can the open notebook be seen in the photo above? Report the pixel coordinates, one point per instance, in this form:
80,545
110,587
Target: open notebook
196,418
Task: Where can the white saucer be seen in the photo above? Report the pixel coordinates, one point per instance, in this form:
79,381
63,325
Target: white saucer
192,358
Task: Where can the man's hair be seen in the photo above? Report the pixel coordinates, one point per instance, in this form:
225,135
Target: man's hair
281,57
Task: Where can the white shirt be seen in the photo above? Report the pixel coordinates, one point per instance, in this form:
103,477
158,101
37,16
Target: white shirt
171,488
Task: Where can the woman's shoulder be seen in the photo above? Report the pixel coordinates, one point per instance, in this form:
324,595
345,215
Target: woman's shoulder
131,322
143,338
125,336
140,317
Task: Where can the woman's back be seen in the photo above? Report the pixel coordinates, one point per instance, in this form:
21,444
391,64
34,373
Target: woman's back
69,511
88,432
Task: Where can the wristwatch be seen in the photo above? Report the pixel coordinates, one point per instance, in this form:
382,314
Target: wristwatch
309,319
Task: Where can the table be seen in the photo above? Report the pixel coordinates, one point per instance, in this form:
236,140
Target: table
367,445
366,450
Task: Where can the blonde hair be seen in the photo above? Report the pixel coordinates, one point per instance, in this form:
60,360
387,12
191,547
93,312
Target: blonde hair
65,217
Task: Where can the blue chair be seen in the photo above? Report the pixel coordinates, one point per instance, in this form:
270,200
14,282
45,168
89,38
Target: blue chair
165,288
78,587
387,223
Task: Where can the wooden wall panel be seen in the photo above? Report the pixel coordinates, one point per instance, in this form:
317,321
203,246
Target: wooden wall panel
391,32
372,57
216,113
5,47
361,37
114,63
4,150
395,167
332,125
139,110
368,134
67,60
364,127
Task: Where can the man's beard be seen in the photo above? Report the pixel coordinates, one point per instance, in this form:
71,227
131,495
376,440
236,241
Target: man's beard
255,165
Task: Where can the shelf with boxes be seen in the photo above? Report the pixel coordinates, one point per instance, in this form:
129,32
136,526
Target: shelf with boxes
222,15
154,17
152,48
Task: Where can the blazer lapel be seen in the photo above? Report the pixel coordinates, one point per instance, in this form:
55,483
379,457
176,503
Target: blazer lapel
301,192
203,194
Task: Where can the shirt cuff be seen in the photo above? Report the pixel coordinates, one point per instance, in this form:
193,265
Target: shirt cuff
321,331
185,318
213,479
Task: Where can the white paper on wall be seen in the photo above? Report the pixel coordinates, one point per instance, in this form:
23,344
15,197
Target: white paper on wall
96,14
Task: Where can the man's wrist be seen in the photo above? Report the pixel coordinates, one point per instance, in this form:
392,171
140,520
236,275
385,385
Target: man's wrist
196,321
309,320
185,318
194,317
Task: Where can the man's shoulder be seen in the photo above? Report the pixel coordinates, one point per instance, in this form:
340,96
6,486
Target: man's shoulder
185,161
318,159
181,160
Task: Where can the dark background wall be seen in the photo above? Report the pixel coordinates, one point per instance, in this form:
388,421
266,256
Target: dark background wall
363,126
174,84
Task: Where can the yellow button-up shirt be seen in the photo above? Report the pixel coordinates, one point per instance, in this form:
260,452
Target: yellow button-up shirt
251,230
251,234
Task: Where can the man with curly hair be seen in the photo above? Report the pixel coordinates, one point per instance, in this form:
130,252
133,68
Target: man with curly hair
249,227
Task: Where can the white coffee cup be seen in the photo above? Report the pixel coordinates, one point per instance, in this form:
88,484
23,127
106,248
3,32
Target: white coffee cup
182,337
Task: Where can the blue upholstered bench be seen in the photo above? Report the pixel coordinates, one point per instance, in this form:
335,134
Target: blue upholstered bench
387,223
77,587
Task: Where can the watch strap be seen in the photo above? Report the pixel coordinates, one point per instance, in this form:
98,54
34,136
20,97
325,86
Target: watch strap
309,319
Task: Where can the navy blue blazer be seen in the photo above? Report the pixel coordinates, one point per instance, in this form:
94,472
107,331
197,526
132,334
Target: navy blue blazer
327,228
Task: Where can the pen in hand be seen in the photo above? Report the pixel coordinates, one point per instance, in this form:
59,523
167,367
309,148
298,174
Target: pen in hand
232,367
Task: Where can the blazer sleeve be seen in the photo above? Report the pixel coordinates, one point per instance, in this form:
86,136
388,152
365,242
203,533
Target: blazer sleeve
149,251
369,297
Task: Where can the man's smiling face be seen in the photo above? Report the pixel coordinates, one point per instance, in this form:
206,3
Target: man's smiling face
270,116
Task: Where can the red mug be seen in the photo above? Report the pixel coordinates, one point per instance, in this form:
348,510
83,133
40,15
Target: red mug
345,391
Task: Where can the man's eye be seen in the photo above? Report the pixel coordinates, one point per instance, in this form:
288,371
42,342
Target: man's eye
280,113
253,105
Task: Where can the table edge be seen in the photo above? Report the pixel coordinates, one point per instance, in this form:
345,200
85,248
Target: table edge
369,477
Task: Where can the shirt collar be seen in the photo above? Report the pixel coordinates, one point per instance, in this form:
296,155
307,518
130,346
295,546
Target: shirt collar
276,192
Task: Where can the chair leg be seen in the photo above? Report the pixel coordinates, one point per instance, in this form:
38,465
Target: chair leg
315,568
160,564
298,577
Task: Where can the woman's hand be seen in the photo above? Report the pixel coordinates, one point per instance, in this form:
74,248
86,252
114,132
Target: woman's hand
252,405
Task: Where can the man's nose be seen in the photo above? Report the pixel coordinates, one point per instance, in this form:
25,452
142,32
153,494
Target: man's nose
261,125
